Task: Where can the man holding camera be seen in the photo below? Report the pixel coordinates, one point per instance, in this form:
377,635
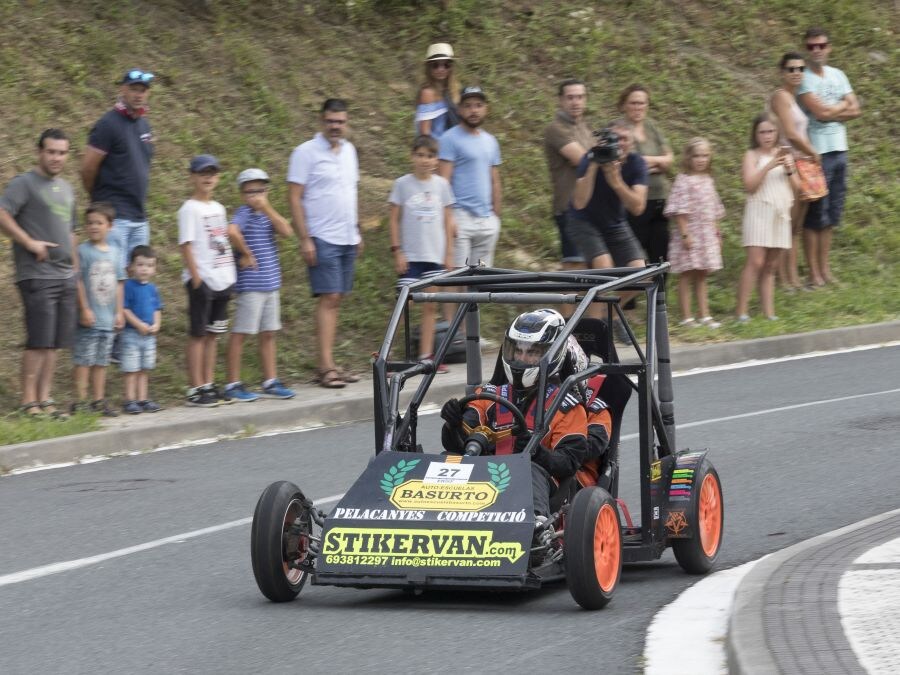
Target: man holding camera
611,180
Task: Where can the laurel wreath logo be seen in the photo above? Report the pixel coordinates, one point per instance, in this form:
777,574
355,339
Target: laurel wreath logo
396,474
499,475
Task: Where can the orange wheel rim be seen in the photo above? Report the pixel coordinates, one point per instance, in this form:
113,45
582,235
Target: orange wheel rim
710,516
292,574
607,550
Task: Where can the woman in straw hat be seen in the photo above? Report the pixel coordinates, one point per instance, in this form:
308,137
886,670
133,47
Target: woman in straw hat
436,105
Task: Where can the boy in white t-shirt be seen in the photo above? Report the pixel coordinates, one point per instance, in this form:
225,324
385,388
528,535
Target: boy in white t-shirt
422,229
209,275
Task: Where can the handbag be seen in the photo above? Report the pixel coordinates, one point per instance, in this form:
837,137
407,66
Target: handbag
812,180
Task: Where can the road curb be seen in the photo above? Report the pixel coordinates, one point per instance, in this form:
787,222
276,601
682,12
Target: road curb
314,405
746,645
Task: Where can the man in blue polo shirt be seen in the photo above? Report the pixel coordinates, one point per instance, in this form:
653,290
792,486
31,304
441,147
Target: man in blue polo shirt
469,158
116,164
322,177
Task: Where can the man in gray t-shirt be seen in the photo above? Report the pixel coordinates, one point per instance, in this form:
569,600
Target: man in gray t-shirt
37,211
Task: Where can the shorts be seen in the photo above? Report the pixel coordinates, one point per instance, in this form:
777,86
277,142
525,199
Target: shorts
207,310
256,312
651,229
568,249
826,212
126,235
92,346
619,241
51,312
334,269
476,238
137,352
417,271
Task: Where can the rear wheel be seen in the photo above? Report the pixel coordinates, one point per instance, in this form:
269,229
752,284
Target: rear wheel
593,548
279,541
698,554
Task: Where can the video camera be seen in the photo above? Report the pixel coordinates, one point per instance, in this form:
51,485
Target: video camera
606,148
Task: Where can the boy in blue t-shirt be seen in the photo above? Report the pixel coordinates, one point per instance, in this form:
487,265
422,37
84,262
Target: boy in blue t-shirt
100,315
257,305
143,317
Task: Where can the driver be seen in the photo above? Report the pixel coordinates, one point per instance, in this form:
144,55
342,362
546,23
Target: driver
564,448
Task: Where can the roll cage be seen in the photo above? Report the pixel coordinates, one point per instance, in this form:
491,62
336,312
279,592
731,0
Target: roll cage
651,370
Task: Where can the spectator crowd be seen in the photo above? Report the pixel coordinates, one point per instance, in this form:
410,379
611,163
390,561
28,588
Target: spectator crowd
620,197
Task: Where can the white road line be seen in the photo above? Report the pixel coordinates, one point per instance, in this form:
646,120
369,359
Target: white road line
56,568
687,636
769,411
869,615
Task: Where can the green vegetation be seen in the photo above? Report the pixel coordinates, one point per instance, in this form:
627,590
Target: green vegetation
15,428
244,80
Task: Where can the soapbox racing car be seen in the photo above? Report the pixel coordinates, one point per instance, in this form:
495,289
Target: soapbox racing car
418,518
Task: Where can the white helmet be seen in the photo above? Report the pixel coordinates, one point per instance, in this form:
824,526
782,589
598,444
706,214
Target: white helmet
527,340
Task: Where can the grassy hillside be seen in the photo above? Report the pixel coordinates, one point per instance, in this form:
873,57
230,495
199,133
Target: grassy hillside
243,80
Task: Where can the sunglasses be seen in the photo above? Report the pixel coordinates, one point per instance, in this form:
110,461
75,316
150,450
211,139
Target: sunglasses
139,76
813,46
256,191
441,64
795,69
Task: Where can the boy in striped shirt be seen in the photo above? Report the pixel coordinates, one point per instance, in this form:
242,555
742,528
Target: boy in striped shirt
257,306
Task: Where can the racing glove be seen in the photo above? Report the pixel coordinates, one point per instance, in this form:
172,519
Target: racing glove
452,413
522,439
452,434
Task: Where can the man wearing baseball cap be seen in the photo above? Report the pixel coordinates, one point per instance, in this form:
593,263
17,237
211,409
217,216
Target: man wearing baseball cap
116,163
252,232
469,158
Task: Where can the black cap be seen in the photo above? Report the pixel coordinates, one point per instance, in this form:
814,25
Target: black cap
472,92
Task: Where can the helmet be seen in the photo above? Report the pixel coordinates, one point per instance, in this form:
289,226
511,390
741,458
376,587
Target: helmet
577,357
525,344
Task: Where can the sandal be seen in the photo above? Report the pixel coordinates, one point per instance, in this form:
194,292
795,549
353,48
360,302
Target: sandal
49,407
329,379
346,375
25,410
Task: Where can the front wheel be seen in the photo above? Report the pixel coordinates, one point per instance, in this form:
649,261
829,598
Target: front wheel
698,554
279,541
593,548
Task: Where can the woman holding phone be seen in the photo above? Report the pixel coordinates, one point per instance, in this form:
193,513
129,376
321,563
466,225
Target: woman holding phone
771,181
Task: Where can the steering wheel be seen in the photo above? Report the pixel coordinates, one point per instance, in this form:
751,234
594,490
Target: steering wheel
482,437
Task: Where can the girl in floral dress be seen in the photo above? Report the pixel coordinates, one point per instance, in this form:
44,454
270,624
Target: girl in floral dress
696,246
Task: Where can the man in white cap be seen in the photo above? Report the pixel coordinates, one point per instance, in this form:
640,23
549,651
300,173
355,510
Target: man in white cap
115,167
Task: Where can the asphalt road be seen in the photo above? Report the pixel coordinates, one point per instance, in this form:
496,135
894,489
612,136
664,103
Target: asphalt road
190,604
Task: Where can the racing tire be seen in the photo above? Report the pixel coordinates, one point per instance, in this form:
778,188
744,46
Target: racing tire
273,545
592,548
698,554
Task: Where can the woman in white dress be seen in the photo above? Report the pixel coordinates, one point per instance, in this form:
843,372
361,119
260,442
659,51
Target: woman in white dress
771,181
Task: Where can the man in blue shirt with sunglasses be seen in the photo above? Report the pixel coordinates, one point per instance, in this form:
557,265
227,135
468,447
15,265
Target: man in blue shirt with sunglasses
116,164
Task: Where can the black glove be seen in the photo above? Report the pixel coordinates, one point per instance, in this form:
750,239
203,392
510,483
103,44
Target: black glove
541,457
521,439
452,413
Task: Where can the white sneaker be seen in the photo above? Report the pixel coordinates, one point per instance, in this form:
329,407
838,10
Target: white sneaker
709,322
690,321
